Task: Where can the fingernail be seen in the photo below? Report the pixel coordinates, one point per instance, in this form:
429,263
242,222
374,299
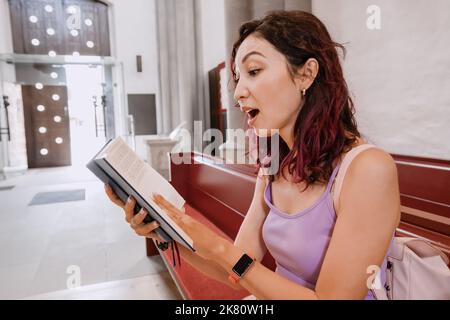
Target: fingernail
142,212
156,224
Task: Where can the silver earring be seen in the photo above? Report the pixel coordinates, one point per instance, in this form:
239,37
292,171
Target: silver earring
304,92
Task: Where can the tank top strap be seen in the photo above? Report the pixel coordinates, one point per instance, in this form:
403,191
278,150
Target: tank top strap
333,176
268,190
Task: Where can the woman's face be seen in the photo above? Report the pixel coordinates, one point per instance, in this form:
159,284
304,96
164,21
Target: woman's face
265,89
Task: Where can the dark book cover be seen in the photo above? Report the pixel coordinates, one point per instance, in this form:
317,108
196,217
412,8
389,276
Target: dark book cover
103,170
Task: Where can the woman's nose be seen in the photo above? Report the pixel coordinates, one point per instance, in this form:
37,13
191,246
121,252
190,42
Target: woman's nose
240,93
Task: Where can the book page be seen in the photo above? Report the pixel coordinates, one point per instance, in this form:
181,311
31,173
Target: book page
144,179
140,174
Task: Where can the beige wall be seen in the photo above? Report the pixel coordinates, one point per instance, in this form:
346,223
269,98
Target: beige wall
399,74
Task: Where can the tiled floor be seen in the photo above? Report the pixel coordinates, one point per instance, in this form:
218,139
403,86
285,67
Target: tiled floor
155,287
38,244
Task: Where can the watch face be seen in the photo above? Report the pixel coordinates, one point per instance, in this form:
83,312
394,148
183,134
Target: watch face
244,262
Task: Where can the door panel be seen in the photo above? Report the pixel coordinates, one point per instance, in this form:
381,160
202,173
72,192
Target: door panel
47,127
90,25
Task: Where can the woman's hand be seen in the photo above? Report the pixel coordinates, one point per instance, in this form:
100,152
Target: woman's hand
135,221
207,244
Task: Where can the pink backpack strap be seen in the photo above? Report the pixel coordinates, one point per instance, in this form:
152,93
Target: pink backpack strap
348,158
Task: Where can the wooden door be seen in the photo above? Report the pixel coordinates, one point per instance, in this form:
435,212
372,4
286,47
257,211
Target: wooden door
40,26
47,127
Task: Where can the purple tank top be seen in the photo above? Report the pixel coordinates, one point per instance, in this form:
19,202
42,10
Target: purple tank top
298,242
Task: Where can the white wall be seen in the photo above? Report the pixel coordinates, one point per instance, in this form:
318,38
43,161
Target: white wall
6,45
400,74
213,33
135,34
213,43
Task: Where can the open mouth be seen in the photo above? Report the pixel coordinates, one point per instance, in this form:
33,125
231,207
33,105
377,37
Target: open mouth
253,113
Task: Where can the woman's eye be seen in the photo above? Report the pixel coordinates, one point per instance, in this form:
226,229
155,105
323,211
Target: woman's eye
254,72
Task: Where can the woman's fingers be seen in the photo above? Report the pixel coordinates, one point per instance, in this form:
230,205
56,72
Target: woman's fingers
153,235
113,197
129,209
146,229
139,217
169,208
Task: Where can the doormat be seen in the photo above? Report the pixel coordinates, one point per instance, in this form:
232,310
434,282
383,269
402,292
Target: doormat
57,196
4,188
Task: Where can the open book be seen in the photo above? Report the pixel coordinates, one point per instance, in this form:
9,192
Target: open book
119,166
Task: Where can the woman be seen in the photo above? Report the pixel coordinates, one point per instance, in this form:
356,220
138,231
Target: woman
288,77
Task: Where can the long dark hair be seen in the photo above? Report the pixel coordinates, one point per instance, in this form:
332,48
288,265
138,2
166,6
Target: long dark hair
325,127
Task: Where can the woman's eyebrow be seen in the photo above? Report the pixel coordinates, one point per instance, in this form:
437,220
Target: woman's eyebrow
249,54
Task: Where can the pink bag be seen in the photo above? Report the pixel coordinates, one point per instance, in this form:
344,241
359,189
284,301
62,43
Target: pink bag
415,268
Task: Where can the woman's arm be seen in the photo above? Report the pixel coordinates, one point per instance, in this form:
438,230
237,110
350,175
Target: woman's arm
262,282
207,267
368,216
248,239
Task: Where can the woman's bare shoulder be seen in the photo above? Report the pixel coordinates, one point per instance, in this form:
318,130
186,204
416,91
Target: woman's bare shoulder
371,162
372,182
370,158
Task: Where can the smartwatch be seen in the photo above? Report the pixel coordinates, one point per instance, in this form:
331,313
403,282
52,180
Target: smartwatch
240,268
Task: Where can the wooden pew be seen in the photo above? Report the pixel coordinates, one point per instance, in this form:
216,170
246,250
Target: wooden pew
220,194
425,199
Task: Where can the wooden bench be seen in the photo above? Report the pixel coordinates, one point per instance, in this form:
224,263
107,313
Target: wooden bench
425,199
220,194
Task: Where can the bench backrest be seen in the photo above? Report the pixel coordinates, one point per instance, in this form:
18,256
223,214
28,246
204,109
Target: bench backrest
425,199
223,193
